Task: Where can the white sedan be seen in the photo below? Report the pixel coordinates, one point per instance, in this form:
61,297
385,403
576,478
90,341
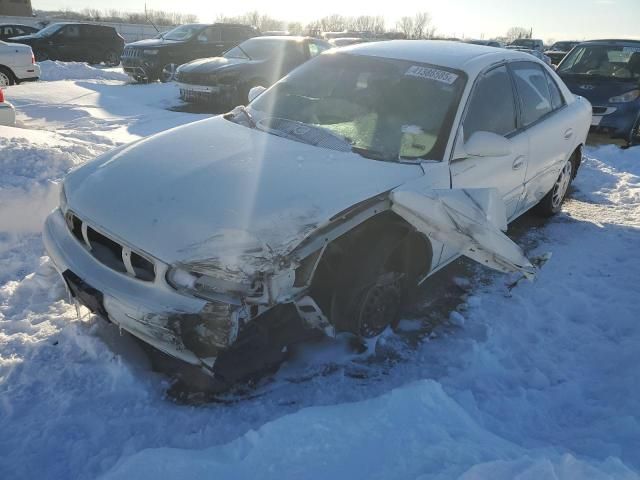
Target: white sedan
7,112
321,204
17,64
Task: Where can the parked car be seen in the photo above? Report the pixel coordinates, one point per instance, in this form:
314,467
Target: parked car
320,205
259,61
530,43
17,64
8,30
559,50
7,111
153,59
607,73
346,41
536,53
488,43
76,42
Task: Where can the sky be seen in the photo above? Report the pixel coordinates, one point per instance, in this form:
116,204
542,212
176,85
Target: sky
550,19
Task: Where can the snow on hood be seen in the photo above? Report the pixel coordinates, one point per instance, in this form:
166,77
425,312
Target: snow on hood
200,191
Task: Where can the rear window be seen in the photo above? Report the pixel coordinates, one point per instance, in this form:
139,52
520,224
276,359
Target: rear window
533,90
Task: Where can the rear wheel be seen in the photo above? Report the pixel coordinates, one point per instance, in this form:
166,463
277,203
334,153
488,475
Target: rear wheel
552,201
6,77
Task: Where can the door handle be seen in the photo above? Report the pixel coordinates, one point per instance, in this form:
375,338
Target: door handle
518,163
568,134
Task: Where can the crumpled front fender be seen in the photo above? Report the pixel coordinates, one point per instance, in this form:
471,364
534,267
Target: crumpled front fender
472,220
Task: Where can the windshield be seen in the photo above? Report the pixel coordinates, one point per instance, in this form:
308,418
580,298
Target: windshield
603,61
260,48
183,32
385,109
563,46
50,30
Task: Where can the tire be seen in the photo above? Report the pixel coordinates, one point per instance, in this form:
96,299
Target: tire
634,134
6,77
551,203
370,288
168,72
111,58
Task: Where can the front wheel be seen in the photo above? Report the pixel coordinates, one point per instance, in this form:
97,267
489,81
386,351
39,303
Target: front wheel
551,203
168,73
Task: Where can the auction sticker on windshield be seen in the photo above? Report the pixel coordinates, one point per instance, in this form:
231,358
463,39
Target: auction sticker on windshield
432,74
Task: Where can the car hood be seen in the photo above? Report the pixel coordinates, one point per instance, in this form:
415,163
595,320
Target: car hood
211,65
155,43
214,190
598,90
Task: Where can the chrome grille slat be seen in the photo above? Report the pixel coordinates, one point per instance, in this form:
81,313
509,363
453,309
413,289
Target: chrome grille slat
110,252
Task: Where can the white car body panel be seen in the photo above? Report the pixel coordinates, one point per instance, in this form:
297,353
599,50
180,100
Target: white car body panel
236,202
7,114
18,58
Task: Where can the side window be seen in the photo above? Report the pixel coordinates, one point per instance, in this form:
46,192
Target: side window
557,100
492,105
234,34
533,90
7,31
71,31
210,35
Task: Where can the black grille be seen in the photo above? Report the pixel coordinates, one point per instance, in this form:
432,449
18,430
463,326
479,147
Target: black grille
111,253
130,52
599,110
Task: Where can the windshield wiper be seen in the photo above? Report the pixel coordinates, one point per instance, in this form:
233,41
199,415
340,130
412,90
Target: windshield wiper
372,154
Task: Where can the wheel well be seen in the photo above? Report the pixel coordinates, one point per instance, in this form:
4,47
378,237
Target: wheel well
9,71
413,254
576,158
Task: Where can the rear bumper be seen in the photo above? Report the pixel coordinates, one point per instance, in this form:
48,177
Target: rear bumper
26,72
152,311
7,114
615,120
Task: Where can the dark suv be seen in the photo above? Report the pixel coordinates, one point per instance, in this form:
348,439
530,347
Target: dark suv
158,58
76,42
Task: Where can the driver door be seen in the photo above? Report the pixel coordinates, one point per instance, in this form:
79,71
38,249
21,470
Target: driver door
492,108
68,44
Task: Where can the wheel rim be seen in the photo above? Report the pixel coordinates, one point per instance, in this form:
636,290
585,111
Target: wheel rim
562,185
5,81
379,306
168,72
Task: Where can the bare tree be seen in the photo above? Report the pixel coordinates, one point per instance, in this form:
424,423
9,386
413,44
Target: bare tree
417,27
515,33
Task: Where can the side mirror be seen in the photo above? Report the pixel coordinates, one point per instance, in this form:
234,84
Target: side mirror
255,92
487,144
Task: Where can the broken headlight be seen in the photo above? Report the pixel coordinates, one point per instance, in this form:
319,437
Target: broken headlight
207,286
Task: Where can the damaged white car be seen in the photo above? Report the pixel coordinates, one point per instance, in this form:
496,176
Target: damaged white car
322,203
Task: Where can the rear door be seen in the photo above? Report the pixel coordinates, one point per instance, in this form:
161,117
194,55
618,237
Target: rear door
548,122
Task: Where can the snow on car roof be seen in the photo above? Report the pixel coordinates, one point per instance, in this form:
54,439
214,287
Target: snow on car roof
461,56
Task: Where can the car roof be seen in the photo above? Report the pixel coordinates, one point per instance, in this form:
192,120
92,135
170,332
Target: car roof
613,41
467,57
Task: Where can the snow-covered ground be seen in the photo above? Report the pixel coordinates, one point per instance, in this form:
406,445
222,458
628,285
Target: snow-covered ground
540,382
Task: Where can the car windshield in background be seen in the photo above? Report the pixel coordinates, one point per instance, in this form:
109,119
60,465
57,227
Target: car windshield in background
613,61
184,32
383,108
523,42
257,48
50,30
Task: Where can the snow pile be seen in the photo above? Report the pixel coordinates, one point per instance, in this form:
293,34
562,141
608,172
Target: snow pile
54,70
538,382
